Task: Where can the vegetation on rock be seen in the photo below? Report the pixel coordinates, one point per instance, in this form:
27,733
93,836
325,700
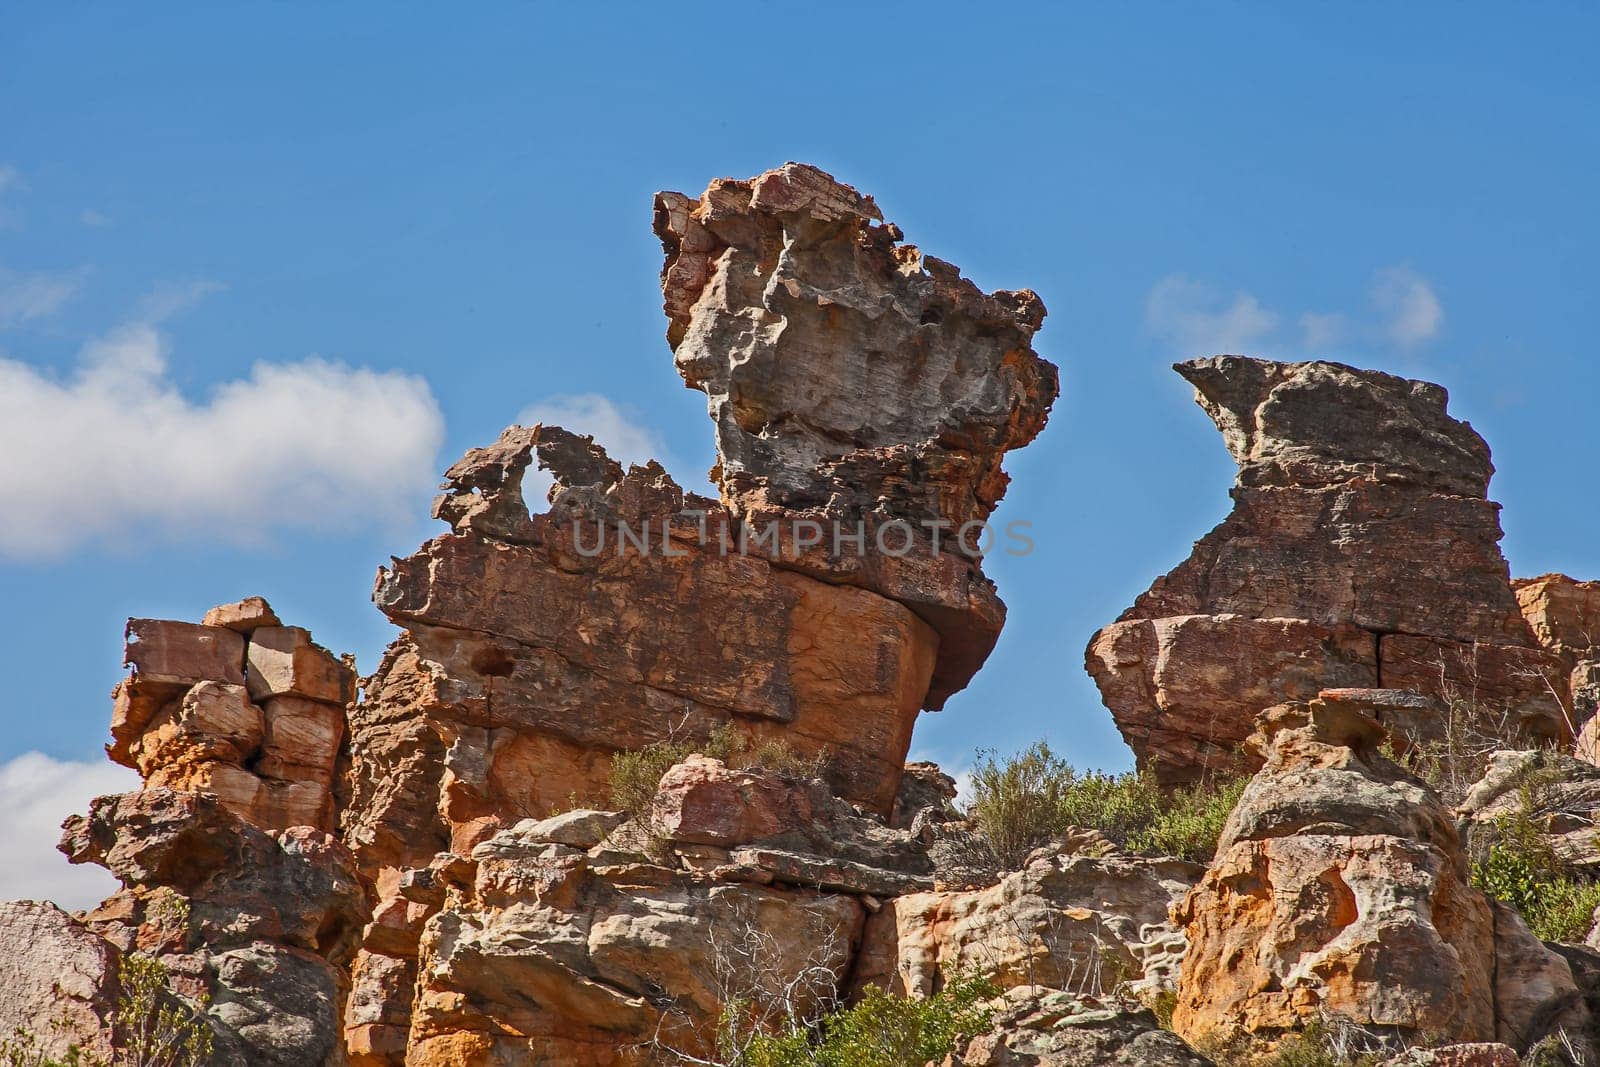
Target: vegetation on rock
1021,802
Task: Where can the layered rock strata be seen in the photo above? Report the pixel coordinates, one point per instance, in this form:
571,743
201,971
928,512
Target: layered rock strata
231,879
1362,551
238,705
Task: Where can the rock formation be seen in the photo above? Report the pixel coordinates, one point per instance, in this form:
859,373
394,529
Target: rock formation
58,980
240,706
1052,1028
1362,551
231,880
1093,922
435,871
1565,617
864,396
1340,887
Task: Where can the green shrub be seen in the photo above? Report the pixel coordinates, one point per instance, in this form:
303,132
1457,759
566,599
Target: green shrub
1520,868
152,1028
156,1029
880,1030
636,773
1191,822
1023,801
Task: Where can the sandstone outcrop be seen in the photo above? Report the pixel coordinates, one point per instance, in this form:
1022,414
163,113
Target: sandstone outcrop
240,706
1362,551
1096,923
1565,617
1340,887
854,379
262,923
864,397
1558,795
231,881
589,938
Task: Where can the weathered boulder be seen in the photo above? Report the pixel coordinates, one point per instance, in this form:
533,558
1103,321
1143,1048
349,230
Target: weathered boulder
1362,551
1477,1054
1085,922
1558,794
844,369
1340,887
58,980
554,954
1041,1027
1564,615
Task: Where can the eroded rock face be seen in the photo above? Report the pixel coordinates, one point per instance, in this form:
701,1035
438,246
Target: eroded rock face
586,939
1041,1027
844,369
1090,922
264,924
1340,886
1564,615
1362,551
856,386
857,383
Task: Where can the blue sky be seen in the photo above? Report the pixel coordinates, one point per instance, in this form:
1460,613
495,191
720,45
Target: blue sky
418,225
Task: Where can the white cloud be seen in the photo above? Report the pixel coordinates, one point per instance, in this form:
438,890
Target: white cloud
116,449
24,297
1410,308
36,794
91,217
1199,320
1323,331
620,431
1196,318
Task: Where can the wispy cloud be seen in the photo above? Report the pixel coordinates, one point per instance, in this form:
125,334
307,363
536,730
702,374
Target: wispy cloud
115,451
10,183
28,296
91,217
1195,318
621,431
36,794
1410,308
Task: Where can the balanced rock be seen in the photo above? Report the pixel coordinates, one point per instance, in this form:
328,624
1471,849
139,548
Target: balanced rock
241,707
1362,551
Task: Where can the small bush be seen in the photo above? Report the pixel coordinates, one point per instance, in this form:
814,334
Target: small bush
1023,801
636,773
1191,822
1520,868
879,1031
155,1029
1327,1041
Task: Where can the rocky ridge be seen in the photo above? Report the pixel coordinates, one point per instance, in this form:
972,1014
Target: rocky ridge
424,866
